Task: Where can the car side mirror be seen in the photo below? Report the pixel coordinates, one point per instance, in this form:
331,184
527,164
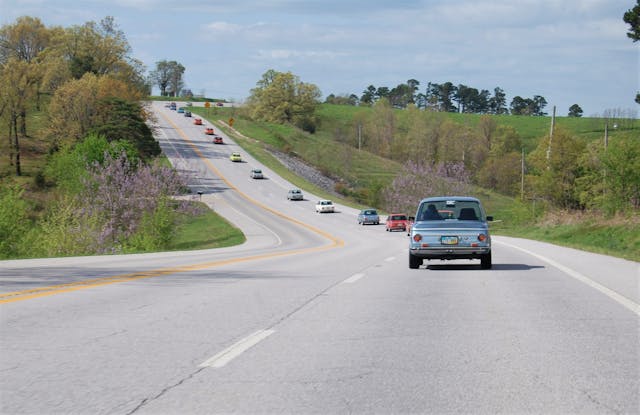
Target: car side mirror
489,218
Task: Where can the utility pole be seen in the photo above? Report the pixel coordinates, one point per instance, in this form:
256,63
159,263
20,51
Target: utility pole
604,173
553,125
522,177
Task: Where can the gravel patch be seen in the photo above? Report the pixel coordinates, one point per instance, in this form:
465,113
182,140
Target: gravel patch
306,171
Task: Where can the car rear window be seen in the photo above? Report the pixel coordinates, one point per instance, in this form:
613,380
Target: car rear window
450,210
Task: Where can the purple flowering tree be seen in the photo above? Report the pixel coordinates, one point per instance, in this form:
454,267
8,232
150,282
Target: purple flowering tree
418,180
123,197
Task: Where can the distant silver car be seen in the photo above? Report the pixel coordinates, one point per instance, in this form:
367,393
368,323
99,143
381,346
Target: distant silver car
368,216
256,174
295,194
450,227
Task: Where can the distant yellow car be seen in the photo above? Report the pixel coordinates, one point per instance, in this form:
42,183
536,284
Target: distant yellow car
235,157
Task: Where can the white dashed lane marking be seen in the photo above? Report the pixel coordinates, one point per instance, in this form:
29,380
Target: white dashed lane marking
353,278
236,349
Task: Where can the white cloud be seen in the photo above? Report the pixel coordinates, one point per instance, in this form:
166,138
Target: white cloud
223,28
277,54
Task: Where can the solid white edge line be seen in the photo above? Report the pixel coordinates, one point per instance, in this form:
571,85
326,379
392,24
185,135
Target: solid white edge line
391,258
582,278
353,278
236,349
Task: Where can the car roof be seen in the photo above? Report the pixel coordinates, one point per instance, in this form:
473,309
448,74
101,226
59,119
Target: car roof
445,198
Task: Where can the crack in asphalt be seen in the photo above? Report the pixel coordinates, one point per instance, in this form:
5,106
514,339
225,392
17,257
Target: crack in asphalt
146,401
599,403
278,321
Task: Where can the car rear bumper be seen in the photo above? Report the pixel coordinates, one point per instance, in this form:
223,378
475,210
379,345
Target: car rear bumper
396,227
450,252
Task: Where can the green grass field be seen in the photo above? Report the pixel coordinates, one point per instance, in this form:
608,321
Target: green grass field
530,129
204,231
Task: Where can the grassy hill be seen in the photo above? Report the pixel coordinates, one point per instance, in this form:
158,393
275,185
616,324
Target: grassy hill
529,128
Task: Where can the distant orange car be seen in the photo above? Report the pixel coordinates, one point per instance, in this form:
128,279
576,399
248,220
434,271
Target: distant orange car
209,131
217,140
396,221
197,121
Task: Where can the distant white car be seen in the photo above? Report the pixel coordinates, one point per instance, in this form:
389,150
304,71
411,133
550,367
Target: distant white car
325,206
256,174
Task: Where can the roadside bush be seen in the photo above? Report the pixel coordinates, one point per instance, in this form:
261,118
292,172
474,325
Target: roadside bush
13,220
129,200
66,230
70,165
156,229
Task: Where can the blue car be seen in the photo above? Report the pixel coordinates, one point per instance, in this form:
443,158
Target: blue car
368,216
450,227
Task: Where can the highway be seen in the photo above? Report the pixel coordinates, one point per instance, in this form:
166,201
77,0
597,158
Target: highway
314,314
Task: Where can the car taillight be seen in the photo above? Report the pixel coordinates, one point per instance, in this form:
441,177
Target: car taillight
417,237
482,237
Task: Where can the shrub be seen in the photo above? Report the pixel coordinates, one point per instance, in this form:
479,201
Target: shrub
13,220
126,199
155,230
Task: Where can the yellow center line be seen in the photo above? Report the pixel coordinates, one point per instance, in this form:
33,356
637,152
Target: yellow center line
96,282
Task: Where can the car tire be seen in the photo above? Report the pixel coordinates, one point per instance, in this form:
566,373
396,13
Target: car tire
414,262
485,261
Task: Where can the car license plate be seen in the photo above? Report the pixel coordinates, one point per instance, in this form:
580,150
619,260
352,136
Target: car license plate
449,240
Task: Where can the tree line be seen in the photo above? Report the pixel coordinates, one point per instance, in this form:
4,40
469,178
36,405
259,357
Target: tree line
101,187
447,97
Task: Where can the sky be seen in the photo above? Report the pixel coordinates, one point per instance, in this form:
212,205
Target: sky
568,51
